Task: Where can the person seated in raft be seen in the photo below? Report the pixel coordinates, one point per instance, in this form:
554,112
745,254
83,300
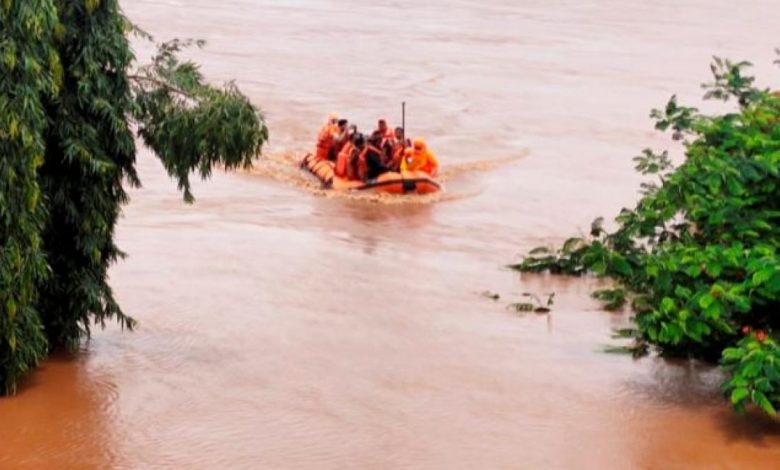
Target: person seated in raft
325,137
388,140
400,143
384,130
387,153
345,155
400,137
353,159
340,138
420,158
371,158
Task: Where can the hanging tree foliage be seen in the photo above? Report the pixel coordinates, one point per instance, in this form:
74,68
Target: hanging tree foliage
89,152
29,75
69,101
699,255
189,124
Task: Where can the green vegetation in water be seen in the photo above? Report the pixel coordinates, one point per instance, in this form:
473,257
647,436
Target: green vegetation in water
697,256
635,350
534,304
69,104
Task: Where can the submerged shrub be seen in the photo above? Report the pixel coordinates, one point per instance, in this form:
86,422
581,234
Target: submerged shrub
698,256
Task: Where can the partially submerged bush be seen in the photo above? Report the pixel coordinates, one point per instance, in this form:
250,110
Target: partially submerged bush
698,254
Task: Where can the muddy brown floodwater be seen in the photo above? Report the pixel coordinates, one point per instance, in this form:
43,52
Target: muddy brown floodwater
283,329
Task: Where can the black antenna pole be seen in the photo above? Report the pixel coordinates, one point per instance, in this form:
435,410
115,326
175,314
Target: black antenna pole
403,118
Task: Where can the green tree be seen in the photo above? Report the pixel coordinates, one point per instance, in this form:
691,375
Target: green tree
89,152
698,255
30,73
68,64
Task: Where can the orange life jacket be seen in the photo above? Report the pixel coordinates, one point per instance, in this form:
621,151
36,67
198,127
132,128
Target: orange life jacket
342,161
324,142
398,156
388,137
389,134
420,158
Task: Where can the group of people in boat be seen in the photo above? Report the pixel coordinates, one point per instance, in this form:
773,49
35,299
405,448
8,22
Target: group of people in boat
360,157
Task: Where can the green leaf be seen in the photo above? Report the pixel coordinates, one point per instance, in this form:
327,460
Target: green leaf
738,395
714,182
774,284
714,269
671,333
693,271
713,311
751,369
771,372
705,301
762,276
652,270
682,292
10,309
763,402
599,268
735,188
732,354
621,265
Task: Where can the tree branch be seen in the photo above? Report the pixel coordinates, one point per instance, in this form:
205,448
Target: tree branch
139,78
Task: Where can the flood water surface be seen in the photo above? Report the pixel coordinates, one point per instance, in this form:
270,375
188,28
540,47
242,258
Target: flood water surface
282,328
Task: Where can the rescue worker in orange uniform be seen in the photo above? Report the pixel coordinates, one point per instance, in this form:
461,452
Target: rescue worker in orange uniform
340,138
384,130
420,158
345,154
401,138
332,134
353,163
388,140
400,144
325,137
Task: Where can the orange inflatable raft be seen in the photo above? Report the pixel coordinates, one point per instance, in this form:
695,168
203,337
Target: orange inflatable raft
407,182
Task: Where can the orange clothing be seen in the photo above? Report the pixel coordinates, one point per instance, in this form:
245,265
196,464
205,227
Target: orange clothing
325,141
362,166
398,155
420,158
388,135
342,160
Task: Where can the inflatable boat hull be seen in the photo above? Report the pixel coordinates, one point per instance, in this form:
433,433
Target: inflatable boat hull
407,182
